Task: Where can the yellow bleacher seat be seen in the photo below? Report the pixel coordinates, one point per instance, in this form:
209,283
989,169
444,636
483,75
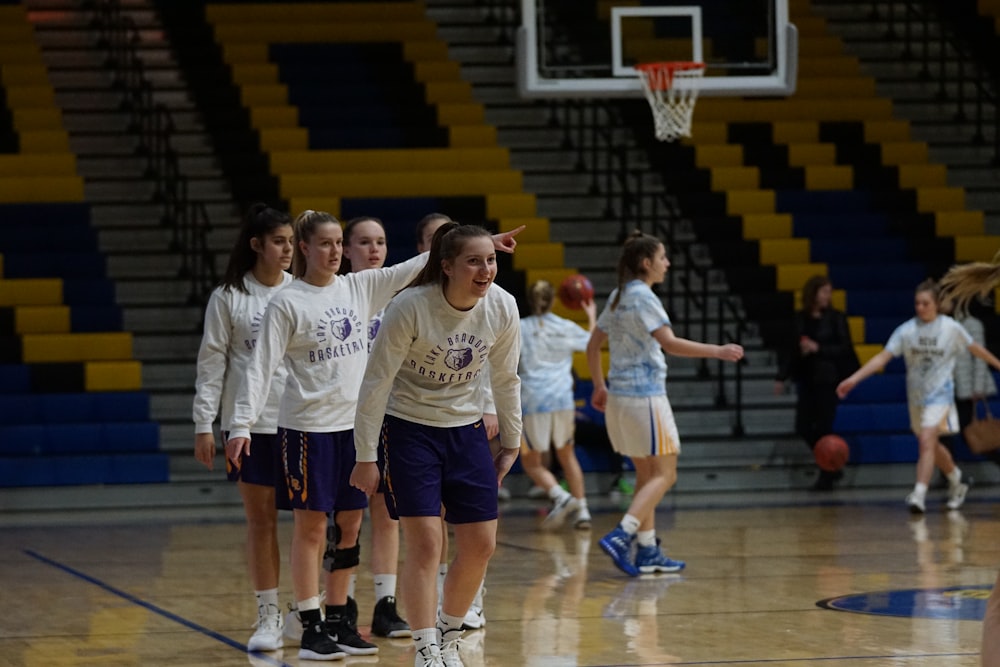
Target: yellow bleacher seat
41,189
511,205
829,177
41,319
582,370
922,176
283,139
741,202
724,179
276,116
43,164
472,136
448,92
775,252
866,352
795,132
980,248
931,200
793,276
718,155
856,325
536,230
264,94
959,223
112,376
114,346
538,255
386,160
811,154
767,226
31,292
456,113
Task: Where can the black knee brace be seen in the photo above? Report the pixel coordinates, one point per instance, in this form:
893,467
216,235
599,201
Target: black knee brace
345,559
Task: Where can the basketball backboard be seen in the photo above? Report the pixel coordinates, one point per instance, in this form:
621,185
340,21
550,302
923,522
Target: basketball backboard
587,48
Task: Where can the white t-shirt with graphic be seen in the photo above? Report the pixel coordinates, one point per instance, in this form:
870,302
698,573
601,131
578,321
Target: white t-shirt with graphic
546,366
929,350
428,363
232,326
638,366
321,334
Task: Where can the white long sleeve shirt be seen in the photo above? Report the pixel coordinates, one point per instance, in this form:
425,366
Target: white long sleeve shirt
428,361
232,325
321,334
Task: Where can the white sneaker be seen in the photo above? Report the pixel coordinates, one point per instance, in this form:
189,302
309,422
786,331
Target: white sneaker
474,618
560,510
536,492
293,624
429,656
449,654
583,519
915,503
268,635
956,495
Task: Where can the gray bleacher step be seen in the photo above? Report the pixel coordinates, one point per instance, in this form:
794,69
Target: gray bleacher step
142,190
490,75
148,214
477,33
949,134
974,176
132,166
171,377
69,501
477,54
519,116
162,347
109,121
987,199
152,292
129,239
161,319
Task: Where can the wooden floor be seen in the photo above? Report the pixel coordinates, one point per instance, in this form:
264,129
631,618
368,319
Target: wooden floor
130,589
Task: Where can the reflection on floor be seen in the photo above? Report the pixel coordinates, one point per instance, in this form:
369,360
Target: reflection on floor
140,588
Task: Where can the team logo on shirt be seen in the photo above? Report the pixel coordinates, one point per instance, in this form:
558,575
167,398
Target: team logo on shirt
255,324
373,328
457,354
336,335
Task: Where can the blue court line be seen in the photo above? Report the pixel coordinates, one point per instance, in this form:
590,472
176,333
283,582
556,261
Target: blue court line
153,608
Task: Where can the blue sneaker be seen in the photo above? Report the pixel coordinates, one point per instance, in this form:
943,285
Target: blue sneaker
650,559
618,545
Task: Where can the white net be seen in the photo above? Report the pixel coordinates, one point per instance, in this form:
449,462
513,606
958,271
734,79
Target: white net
672,104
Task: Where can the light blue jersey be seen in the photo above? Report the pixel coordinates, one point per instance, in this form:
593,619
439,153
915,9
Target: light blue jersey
546,365
638,366
930,350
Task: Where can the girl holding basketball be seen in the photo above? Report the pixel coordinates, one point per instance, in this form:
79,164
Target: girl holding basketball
929,343
640,420
255,273
421,403
546,370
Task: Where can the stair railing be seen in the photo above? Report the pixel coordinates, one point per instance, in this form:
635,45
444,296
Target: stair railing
154,125
981,89
596,130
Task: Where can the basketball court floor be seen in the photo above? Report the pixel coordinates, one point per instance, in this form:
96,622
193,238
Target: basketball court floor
778,579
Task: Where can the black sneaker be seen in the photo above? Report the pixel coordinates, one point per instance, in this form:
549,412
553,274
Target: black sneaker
318,645
386,621
348,639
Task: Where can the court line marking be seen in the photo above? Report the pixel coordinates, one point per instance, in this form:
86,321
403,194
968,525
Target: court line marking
160,611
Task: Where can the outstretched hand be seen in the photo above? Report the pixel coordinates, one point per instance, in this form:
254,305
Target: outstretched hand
730,352
505,241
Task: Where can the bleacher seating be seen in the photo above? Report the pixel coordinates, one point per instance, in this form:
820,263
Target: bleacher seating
71,406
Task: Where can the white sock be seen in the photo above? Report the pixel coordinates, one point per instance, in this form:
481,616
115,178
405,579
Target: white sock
424,637
582,503
557,493
309,603
450,627
442,573
478,600
647,538
352,584
629,524
920,490
954,477
267,601
385,584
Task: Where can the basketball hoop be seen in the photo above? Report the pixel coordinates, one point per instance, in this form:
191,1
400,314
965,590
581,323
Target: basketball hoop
672,105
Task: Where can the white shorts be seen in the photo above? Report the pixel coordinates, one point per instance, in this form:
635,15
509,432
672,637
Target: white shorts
548,428
943,417
642,426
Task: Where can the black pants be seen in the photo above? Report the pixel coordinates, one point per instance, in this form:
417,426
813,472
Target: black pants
814,414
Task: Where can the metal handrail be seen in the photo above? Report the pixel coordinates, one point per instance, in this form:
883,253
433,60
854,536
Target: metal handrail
597,132
154,125
917,37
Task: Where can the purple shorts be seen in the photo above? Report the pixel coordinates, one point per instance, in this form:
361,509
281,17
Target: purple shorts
427,466
318,470
262,467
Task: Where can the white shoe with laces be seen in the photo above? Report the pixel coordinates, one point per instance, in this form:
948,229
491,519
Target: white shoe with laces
915,503
268,636
956,495
559,512
428,656
449,654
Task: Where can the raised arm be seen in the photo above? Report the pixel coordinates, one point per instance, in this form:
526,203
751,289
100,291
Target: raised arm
872,366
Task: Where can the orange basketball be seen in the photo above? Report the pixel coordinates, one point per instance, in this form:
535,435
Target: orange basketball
831,452
574,290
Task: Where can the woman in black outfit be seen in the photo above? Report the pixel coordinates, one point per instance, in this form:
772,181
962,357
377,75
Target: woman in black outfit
819,356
